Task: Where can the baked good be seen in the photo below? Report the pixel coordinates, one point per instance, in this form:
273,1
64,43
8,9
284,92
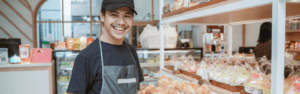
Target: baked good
163,81
202,90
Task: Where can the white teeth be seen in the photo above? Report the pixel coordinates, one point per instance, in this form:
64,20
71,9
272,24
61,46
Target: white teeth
119,28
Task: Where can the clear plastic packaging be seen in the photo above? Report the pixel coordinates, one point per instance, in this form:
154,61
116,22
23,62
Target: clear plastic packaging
178,4
202,90
252,85
163,81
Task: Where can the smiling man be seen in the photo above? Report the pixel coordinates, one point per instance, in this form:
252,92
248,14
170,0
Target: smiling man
109,65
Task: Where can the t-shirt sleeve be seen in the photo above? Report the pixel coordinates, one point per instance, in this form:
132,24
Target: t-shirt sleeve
78,82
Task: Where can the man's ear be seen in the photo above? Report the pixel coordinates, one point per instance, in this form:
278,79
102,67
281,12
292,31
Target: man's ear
101,16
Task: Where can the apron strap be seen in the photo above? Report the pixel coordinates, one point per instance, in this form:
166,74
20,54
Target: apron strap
101,53
102,63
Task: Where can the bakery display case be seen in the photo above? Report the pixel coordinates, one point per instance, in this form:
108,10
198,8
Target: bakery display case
64,61
150,60
151,57
217,12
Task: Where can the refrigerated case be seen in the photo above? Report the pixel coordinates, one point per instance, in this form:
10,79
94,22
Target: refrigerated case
64,61
148,58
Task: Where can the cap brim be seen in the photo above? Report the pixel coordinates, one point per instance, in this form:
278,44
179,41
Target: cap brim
116,6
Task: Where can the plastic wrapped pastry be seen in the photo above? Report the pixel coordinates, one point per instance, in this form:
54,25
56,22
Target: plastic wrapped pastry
181,85
202,90
188,89
194,86
172,84
174,87
163,81
192,65
146,89
175,92
177,5
252,85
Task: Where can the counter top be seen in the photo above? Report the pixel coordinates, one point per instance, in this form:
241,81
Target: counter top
26,65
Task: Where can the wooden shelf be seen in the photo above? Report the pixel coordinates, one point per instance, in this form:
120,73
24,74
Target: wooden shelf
288,31
233,12
186,9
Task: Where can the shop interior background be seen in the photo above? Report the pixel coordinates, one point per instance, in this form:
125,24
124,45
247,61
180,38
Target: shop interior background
77,22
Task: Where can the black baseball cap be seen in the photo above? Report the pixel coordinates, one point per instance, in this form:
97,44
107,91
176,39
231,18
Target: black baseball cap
114,4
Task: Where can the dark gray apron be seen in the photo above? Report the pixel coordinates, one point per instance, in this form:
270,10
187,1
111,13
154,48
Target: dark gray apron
119,79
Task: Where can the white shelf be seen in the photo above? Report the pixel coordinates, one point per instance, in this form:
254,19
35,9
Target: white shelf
149,79
223,7
66,67
152,64
233,12
63,82
26,65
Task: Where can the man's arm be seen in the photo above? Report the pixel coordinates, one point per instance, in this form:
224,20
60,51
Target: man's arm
78,82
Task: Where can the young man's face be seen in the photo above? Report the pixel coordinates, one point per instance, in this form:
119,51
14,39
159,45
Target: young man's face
117,23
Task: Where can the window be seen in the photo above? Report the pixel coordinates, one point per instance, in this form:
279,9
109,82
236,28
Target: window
61,19
58,20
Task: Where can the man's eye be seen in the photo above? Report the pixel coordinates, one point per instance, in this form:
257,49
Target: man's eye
127,16
114,15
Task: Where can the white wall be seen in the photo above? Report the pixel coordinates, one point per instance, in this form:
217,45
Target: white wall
252,33
237,37
17,20
197,36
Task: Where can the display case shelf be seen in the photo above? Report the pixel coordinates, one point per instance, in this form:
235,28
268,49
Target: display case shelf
63,82
66,67
291,31
151,64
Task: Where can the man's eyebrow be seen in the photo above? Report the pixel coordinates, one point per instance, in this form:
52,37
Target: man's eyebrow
114,11
128,13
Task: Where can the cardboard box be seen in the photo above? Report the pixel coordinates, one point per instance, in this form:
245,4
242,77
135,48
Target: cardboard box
43,55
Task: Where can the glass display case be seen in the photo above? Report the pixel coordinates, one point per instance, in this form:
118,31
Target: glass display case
64,61
150,61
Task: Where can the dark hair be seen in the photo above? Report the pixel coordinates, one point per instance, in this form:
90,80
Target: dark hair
265,33
103,12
